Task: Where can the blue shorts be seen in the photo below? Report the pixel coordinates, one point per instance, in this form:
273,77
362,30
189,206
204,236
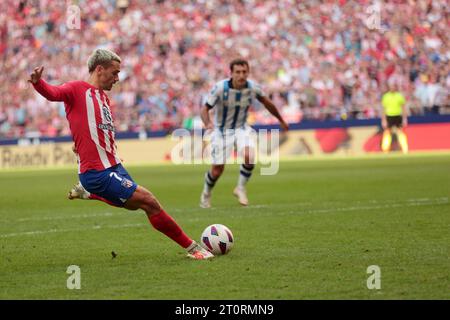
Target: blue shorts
113,184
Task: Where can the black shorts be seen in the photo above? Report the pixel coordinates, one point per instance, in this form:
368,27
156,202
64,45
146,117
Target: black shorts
394,121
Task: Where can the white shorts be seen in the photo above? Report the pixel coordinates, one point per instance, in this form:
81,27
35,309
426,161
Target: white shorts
223,143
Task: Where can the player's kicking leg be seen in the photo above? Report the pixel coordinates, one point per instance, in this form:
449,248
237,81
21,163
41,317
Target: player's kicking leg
116,187
161,221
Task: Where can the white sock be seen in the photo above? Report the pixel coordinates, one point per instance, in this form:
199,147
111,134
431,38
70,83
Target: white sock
209,183
244,174
192,245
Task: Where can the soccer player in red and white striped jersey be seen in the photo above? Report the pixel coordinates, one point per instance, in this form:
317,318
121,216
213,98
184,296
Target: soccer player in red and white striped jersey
89,115
101,173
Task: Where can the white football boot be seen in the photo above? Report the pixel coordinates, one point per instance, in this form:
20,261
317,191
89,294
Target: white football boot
241,194
197,252
205,200
78,192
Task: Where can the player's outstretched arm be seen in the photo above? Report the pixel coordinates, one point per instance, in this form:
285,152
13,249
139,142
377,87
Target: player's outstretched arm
36,75
52,93
274,111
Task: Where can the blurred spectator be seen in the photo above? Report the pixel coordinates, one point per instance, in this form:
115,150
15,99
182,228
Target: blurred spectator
318,59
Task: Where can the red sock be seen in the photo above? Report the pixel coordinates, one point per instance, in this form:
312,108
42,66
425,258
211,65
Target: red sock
95,197
165,224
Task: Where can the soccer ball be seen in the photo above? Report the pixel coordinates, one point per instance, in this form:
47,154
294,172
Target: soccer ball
217,239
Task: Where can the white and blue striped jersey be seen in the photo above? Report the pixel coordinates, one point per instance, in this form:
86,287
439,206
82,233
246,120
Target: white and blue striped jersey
231,105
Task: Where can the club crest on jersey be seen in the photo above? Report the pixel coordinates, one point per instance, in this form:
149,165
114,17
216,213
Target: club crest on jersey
106,114
106,118
126,183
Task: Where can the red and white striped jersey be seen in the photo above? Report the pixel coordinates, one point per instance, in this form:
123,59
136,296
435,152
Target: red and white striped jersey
91,124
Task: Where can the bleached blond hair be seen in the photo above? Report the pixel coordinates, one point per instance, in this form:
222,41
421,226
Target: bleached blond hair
102,57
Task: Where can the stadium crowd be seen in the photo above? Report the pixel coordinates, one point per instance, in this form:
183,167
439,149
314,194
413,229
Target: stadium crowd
316,59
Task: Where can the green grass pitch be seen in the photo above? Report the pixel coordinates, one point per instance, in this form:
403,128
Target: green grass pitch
310,232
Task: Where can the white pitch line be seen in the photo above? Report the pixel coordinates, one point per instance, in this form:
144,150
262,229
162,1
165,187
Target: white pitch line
177,210
411,203
368,208
79,216
38,232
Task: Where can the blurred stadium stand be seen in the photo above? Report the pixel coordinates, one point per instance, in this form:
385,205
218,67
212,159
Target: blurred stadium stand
318,60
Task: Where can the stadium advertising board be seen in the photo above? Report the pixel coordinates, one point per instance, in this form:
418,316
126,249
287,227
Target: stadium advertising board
314,142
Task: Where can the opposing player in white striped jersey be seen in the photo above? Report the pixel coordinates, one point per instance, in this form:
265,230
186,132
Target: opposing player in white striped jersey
230,100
